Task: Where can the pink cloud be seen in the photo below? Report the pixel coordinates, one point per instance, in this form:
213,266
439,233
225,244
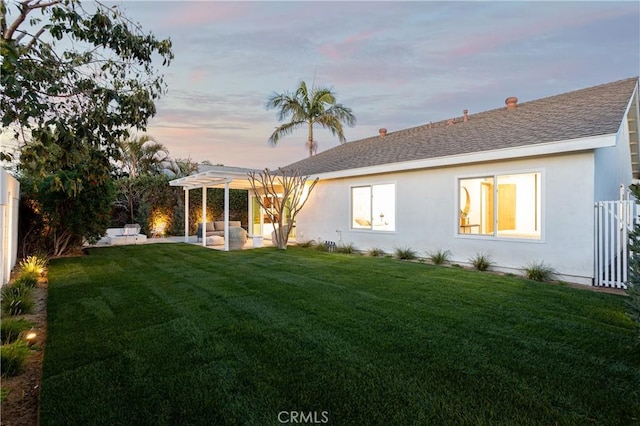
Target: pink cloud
198,13
345,48
481,43
196,75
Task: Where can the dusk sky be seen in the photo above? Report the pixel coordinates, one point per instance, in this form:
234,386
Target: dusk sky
395,64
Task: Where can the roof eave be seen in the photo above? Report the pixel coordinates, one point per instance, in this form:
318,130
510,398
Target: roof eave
548,148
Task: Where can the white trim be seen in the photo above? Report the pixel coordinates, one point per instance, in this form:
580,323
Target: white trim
226,216
547,148
186,215
215,179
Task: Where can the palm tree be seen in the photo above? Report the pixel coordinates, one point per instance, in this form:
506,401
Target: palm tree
142,155
181,167
304,107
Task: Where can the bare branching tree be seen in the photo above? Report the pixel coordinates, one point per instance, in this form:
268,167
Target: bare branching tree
287,191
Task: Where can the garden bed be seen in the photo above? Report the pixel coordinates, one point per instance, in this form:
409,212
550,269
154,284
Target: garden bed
23,391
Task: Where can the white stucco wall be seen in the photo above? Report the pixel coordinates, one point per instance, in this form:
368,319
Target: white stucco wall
613,167
613,164
9,202
427,215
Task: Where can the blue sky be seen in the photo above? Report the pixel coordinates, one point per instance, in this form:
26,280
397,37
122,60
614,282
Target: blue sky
396,64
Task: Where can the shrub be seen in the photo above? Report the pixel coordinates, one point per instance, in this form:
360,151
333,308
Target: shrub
405,253
633,286
28,279
17,299
481,261
13,358
321,247
307,244
11,328
375,252
439,256
539,271
36,264
4,393
345,248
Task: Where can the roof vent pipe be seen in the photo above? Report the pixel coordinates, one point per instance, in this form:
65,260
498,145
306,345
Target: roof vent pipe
512,102
383,132
466,115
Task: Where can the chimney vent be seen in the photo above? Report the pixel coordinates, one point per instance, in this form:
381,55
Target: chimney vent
511,102
383,132
466,115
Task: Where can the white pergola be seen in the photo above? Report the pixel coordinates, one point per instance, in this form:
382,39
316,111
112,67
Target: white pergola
216,177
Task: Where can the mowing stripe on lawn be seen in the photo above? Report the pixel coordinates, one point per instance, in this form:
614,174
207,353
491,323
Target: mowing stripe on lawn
179,334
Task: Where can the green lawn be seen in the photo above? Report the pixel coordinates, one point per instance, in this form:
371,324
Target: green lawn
174,334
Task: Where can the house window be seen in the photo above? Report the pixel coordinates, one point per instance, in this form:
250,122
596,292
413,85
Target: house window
500,206
373,207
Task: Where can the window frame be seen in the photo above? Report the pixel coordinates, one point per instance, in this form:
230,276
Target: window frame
371,207
495,176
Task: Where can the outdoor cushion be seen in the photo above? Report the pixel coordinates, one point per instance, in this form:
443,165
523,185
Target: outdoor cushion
219,224
237,238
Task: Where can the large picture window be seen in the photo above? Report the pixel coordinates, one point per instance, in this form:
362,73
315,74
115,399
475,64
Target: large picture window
500,205
374,207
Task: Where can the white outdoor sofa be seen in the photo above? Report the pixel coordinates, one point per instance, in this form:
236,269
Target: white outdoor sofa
130,234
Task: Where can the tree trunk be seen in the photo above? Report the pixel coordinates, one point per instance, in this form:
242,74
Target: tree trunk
310,139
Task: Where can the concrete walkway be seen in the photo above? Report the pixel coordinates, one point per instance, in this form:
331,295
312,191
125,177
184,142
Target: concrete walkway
192,240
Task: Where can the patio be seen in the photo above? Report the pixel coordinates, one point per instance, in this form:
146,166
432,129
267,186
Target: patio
191,239
227,178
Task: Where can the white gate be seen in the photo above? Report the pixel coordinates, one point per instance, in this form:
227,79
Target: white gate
614,220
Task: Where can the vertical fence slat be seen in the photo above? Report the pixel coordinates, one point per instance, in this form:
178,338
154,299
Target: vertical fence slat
613,221
596,245
618,225
601,242
605,220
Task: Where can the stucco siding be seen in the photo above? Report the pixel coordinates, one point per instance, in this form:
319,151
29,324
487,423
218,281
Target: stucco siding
613,164
9,201
613,167
427,215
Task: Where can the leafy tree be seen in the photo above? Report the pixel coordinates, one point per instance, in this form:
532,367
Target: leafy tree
306,107
142,155
287,192
633,290
138,199
89,70
67,185
74,81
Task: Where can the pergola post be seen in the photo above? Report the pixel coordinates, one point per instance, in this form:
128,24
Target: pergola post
186,215
204,216
226,215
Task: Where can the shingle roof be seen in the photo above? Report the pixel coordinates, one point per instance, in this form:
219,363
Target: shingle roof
582,113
